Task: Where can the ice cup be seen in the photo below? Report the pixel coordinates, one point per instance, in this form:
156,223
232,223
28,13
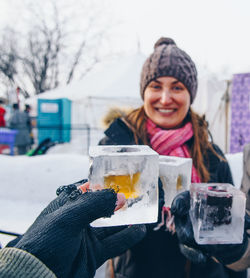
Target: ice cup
175,175
131,170
217,212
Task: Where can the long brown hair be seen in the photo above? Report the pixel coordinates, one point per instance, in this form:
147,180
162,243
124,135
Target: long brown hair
199,144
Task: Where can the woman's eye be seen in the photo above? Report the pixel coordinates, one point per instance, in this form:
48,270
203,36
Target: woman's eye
177,88
155,86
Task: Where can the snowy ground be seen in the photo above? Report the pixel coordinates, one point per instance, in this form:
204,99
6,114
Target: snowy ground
28,184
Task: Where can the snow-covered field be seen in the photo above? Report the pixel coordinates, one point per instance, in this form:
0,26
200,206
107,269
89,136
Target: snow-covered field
29,183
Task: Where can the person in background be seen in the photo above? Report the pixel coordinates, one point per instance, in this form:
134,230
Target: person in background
19,121
27,110
2,114
167,123
61,243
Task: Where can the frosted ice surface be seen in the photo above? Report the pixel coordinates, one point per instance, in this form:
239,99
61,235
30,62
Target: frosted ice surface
132,170
217,213
175,175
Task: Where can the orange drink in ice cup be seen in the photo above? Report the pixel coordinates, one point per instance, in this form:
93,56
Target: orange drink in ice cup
132,170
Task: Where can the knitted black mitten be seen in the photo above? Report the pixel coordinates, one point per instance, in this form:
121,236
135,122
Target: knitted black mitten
63,240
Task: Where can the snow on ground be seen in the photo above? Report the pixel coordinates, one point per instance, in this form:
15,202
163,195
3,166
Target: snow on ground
28,184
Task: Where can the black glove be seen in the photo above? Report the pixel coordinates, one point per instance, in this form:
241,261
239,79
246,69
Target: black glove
63,240
225,253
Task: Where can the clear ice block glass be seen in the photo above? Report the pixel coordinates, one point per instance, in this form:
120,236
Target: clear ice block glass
132,170
175,175
217,213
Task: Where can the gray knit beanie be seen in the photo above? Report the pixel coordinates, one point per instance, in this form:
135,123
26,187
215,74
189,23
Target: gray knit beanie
169,60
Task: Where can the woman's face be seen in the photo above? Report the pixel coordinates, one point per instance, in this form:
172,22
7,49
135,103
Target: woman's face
166,102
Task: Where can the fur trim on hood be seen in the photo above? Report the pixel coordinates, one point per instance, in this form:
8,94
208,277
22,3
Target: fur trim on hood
114,113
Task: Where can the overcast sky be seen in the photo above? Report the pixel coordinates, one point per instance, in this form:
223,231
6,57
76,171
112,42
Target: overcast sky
214,32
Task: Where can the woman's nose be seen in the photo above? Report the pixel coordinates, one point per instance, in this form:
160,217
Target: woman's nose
166,97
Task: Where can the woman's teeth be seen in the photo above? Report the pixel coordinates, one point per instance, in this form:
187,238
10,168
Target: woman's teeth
166,110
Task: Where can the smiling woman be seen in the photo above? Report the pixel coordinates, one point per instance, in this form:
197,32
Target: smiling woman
167,124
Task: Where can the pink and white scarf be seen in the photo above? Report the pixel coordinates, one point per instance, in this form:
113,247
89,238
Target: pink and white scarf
172,142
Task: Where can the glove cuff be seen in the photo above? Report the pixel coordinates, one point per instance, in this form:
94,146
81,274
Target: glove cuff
18,263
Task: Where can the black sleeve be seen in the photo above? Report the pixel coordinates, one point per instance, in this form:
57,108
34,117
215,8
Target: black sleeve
219,168
106,141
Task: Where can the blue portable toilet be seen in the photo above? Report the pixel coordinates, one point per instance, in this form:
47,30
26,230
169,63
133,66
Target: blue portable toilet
54,119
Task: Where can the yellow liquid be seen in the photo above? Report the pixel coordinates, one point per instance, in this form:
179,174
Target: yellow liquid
179,183
126,184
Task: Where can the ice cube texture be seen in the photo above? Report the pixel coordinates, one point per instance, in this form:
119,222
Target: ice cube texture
132,170
175,175
217,212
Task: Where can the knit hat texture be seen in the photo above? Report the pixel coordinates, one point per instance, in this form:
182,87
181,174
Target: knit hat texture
169,60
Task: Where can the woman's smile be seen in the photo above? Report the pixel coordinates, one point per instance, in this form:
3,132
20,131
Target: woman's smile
166,111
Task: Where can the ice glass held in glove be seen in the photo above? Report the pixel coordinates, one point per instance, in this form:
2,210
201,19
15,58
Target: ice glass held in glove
175,175
217,213
132,170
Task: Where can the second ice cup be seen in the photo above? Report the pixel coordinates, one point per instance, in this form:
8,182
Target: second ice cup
217,213
175,175
132,170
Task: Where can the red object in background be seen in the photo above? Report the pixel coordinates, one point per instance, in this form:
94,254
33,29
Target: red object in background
4,149
2,121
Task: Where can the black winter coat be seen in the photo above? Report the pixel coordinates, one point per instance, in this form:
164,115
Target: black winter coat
158,254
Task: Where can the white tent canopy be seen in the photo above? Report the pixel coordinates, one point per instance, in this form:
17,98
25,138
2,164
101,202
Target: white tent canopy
112,79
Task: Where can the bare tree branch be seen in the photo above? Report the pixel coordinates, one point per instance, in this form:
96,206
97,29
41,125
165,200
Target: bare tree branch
58,48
